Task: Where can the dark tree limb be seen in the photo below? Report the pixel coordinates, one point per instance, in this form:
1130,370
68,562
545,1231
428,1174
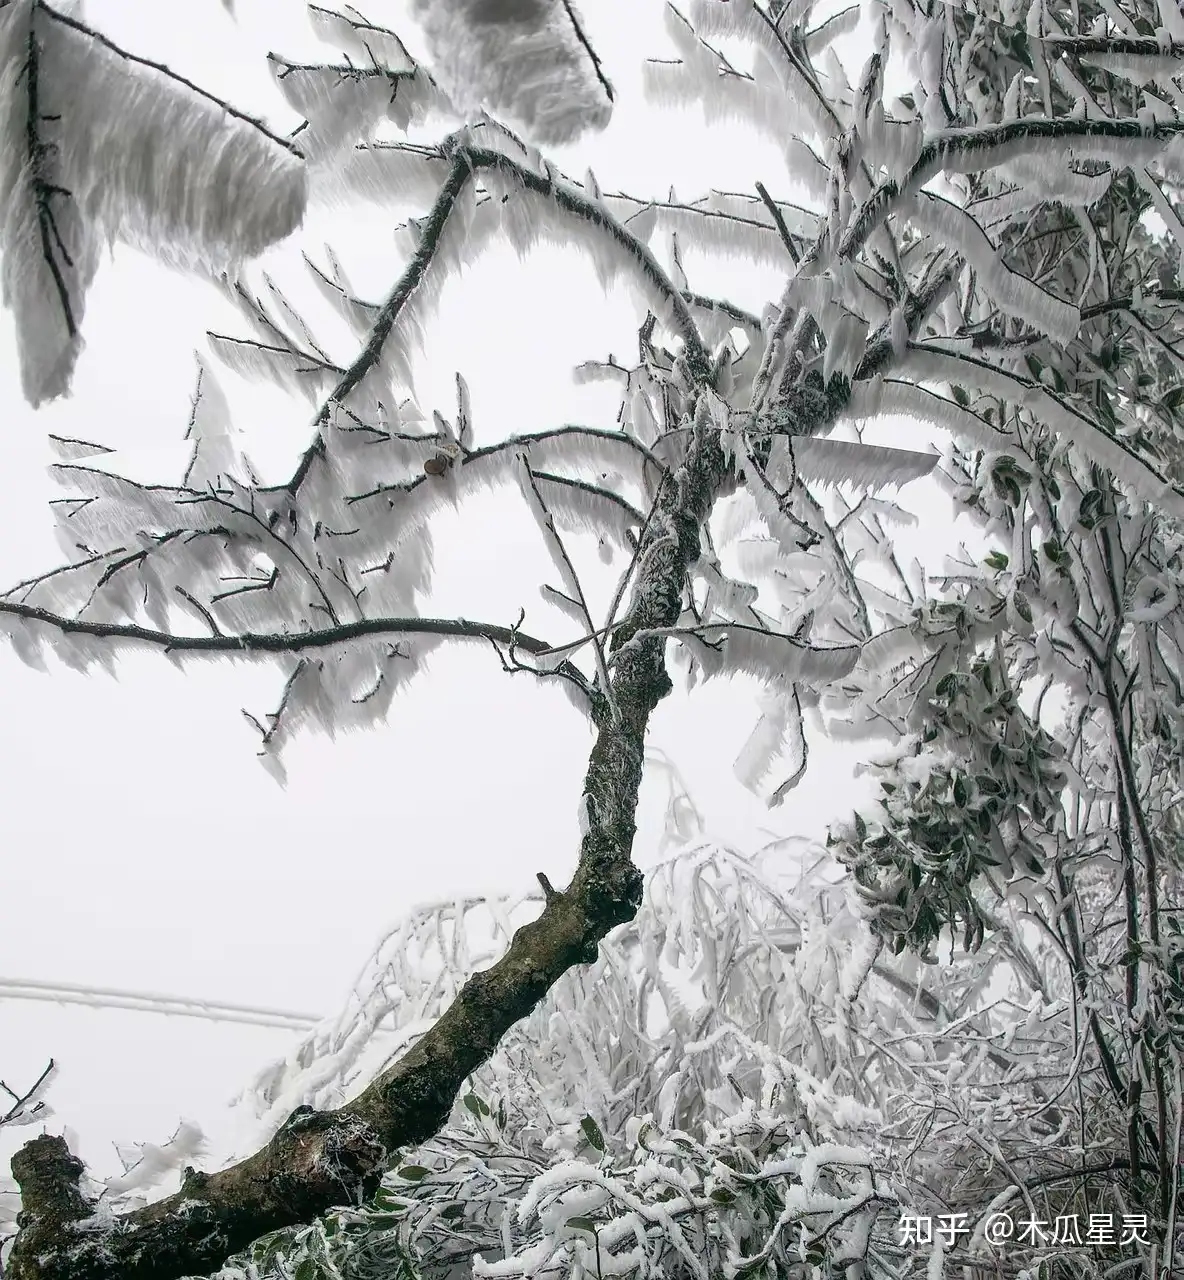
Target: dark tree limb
319,1160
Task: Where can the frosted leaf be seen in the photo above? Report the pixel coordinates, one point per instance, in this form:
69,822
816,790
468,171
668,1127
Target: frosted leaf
43,287
571,609
727,599
367,43
1155,597
723,222
770,656
866,466
780,77
882,396
334,285
889,649
1035,186
214,451
1138,68
546,523
777,741
385,173
119,150
933,364
412,505
580,507
526,60
345,104
846,339
775,508
464,413
293,370
68,449
349,687
28,642
1013,293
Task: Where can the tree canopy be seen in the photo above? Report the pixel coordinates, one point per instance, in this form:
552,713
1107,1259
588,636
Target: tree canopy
969,246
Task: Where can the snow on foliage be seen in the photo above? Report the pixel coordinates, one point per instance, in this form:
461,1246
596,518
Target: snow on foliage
347,540
716,1089
102,145
345,103
526,60
973,254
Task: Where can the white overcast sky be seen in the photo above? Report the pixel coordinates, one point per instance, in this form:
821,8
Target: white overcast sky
145,846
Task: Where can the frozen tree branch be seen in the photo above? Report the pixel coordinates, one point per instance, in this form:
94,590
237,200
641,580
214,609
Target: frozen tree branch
697,421
974,150
106,145
250,645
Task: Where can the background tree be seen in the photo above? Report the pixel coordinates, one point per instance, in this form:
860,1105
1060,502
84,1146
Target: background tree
959,258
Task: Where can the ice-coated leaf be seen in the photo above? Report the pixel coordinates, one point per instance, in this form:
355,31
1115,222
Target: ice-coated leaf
345,104
1012,292
385,173
866,466
287,368
528,61
103,145
778,742
214,452
529,488
365,42
897,396
68,449
335,286
772,656
1090,437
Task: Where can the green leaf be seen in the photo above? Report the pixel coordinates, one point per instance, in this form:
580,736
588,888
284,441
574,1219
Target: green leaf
960,395
997,561
960,793
1020,49
413,1172
1022,607
1091,509
267,1250
592,1132
721,1195
1055,553
307,1270
583,1224
476,1105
